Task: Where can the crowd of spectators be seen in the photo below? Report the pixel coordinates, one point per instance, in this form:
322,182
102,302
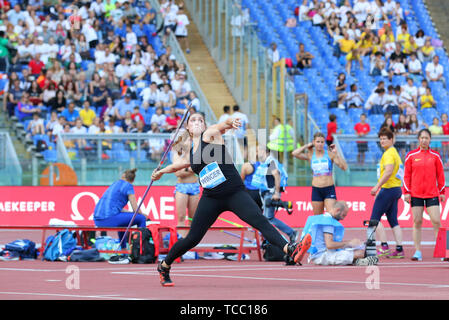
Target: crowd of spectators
377,32
366,29
90,67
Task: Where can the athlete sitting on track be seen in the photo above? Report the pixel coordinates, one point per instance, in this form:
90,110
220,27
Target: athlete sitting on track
328,247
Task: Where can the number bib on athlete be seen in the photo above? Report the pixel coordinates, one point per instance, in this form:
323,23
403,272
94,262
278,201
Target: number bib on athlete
211,176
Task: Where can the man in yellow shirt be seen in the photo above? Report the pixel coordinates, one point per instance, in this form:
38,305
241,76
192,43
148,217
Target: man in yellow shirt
346,45
390,173
87,115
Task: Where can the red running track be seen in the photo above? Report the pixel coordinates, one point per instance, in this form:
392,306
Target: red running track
227,280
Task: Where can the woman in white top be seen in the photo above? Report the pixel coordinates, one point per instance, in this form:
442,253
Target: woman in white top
138,70
181,31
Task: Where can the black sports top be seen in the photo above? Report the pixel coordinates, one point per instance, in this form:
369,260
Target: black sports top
215,168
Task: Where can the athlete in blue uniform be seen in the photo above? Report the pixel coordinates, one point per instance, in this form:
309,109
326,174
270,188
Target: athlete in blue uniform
321,162
109,209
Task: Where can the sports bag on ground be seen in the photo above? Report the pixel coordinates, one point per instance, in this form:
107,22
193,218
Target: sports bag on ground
148,251
61,244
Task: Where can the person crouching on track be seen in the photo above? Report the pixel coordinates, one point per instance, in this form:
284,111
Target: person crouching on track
328,247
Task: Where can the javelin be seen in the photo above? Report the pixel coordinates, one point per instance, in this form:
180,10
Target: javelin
167,150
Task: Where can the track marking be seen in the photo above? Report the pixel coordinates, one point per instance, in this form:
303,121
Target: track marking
115,297
431,285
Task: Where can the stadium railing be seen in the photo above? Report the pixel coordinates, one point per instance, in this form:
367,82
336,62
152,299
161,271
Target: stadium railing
108,155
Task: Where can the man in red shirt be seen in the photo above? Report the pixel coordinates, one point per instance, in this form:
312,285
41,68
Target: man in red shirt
331,129
424,186
36,65
362,129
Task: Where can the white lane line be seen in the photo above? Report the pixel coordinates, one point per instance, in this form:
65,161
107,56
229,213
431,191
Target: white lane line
115,297
428,285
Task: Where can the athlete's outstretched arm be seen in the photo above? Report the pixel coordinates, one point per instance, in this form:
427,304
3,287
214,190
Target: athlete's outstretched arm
156,175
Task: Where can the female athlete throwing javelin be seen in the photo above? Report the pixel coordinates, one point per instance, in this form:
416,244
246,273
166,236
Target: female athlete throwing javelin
321,162
223,190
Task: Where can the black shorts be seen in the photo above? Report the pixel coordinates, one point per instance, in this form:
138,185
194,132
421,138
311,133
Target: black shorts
320,194
362,147
428,202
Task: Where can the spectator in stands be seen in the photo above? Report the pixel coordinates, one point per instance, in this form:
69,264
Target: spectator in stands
435,71
378,65
397,68
303,58
127,122
87,114
376,102
398,55
181,32
427,100
58,102
150,96
100,94
194,101
79,129
180,86
420,38
108,110
273,53
406,103
415,127
410,47
137,116
362,129
345,45
402,128
94,128
159,117
352,56
422,89
57,128
303,11
155,145
427,51
113,126
124,105
35,93
354,99
226,114
25,108
36,125
388,123
49,93
172,120
331,129
36,65
167,97
411,90
392,101
340,88
70,114
436,129
414,66
14,94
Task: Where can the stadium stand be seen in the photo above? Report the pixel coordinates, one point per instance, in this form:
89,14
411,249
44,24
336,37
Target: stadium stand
320,26
105,56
